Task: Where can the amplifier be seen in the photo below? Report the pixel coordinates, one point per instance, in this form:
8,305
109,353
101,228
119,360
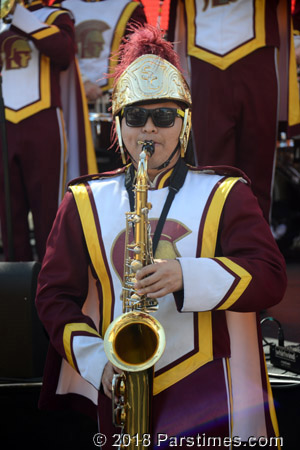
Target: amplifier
286,357
23,341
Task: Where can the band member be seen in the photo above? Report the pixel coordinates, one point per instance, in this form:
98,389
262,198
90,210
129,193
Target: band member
48,132
230,52
216,266
99,28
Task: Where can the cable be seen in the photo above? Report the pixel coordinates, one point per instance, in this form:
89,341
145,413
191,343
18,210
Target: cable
280,330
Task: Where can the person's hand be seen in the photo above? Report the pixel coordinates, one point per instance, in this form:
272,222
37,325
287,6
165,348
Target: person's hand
92,90
107,377
159,279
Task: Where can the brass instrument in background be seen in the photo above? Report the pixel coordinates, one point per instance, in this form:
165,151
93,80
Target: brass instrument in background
136,340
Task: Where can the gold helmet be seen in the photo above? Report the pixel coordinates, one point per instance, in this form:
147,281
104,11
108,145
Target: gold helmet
150,78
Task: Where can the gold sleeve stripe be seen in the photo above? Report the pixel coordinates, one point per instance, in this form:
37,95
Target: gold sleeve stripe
229,381
64,156
46,32
271,405
92,240
210,232
54,16
90,150
44,102
294,104
34,3
118,35
68,330
242,285
223,62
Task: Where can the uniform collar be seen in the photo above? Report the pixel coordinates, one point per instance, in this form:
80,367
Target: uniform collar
161,180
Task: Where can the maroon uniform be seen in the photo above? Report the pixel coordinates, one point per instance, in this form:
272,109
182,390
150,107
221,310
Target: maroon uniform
48,140
229,261
232,51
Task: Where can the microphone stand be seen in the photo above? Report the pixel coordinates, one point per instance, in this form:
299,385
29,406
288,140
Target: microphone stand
6,174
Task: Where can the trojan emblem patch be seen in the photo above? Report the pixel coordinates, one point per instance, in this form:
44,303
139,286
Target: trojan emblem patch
89,38
173,231
17,52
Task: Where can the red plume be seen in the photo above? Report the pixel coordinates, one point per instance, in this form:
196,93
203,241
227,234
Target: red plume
144,39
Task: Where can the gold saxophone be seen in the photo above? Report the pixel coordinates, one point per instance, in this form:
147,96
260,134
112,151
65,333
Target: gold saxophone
136,340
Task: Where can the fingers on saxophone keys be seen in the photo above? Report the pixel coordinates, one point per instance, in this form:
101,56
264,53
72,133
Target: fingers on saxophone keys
143,286
149,290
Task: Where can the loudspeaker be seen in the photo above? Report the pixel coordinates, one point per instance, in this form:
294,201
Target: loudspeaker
286,400
23,341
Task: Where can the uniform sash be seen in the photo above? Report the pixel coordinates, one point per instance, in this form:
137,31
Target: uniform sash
28,65
236,28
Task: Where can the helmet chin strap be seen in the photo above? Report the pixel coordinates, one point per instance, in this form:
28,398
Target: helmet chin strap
167,162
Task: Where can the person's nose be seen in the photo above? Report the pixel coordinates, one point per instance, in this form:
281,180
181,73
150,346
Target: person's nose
149,126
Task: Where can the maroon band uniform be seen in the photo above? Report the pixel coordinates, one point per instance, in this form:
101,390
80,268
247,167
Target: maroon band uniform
231,57
46,145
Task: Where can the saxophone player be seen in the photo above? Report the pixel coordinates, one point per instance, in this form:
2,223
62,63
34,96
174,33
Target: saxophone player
216,265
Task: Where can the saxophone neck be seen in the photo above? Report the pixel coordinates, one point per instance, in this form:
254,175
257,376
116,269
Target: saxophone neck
147,147
146,152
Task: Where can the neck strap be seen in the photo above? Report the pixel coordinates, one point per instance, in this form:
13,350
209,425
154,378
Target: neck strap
176,182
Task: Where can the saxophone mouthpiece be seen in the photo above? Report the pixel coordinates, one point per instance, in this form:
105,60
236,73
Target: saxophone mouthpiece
147,146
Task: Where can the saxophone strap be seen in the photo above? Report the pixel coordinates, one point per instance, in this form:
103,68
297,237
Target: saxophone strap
176,182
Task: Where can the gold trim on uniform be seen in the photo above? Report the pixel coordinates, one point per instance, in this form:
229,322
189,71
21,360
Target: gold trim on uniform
118,35
49,31
294,104
271,403
204,319
69,329
242,285
90,151
205,337
92,241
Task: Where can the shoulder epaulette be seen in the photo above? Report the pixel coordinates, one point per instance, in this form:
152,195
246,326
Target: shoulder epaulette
97,176
228,171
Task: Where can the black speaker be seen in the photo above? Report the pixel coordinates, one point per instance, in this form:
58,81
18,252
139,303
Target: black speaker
286,400
23,341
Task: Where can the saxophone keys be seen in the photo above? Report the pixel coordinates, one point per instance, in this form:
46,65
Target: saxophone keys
135,298
123,415
136,218
136,265
137,249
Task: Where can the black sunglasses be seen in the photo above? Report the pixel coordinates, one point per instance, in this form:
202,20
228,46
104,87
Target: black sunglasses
162,117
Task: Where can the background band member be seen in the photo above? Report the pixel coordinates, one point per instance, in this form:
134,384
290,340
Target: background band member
99,29
230,52
48,132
